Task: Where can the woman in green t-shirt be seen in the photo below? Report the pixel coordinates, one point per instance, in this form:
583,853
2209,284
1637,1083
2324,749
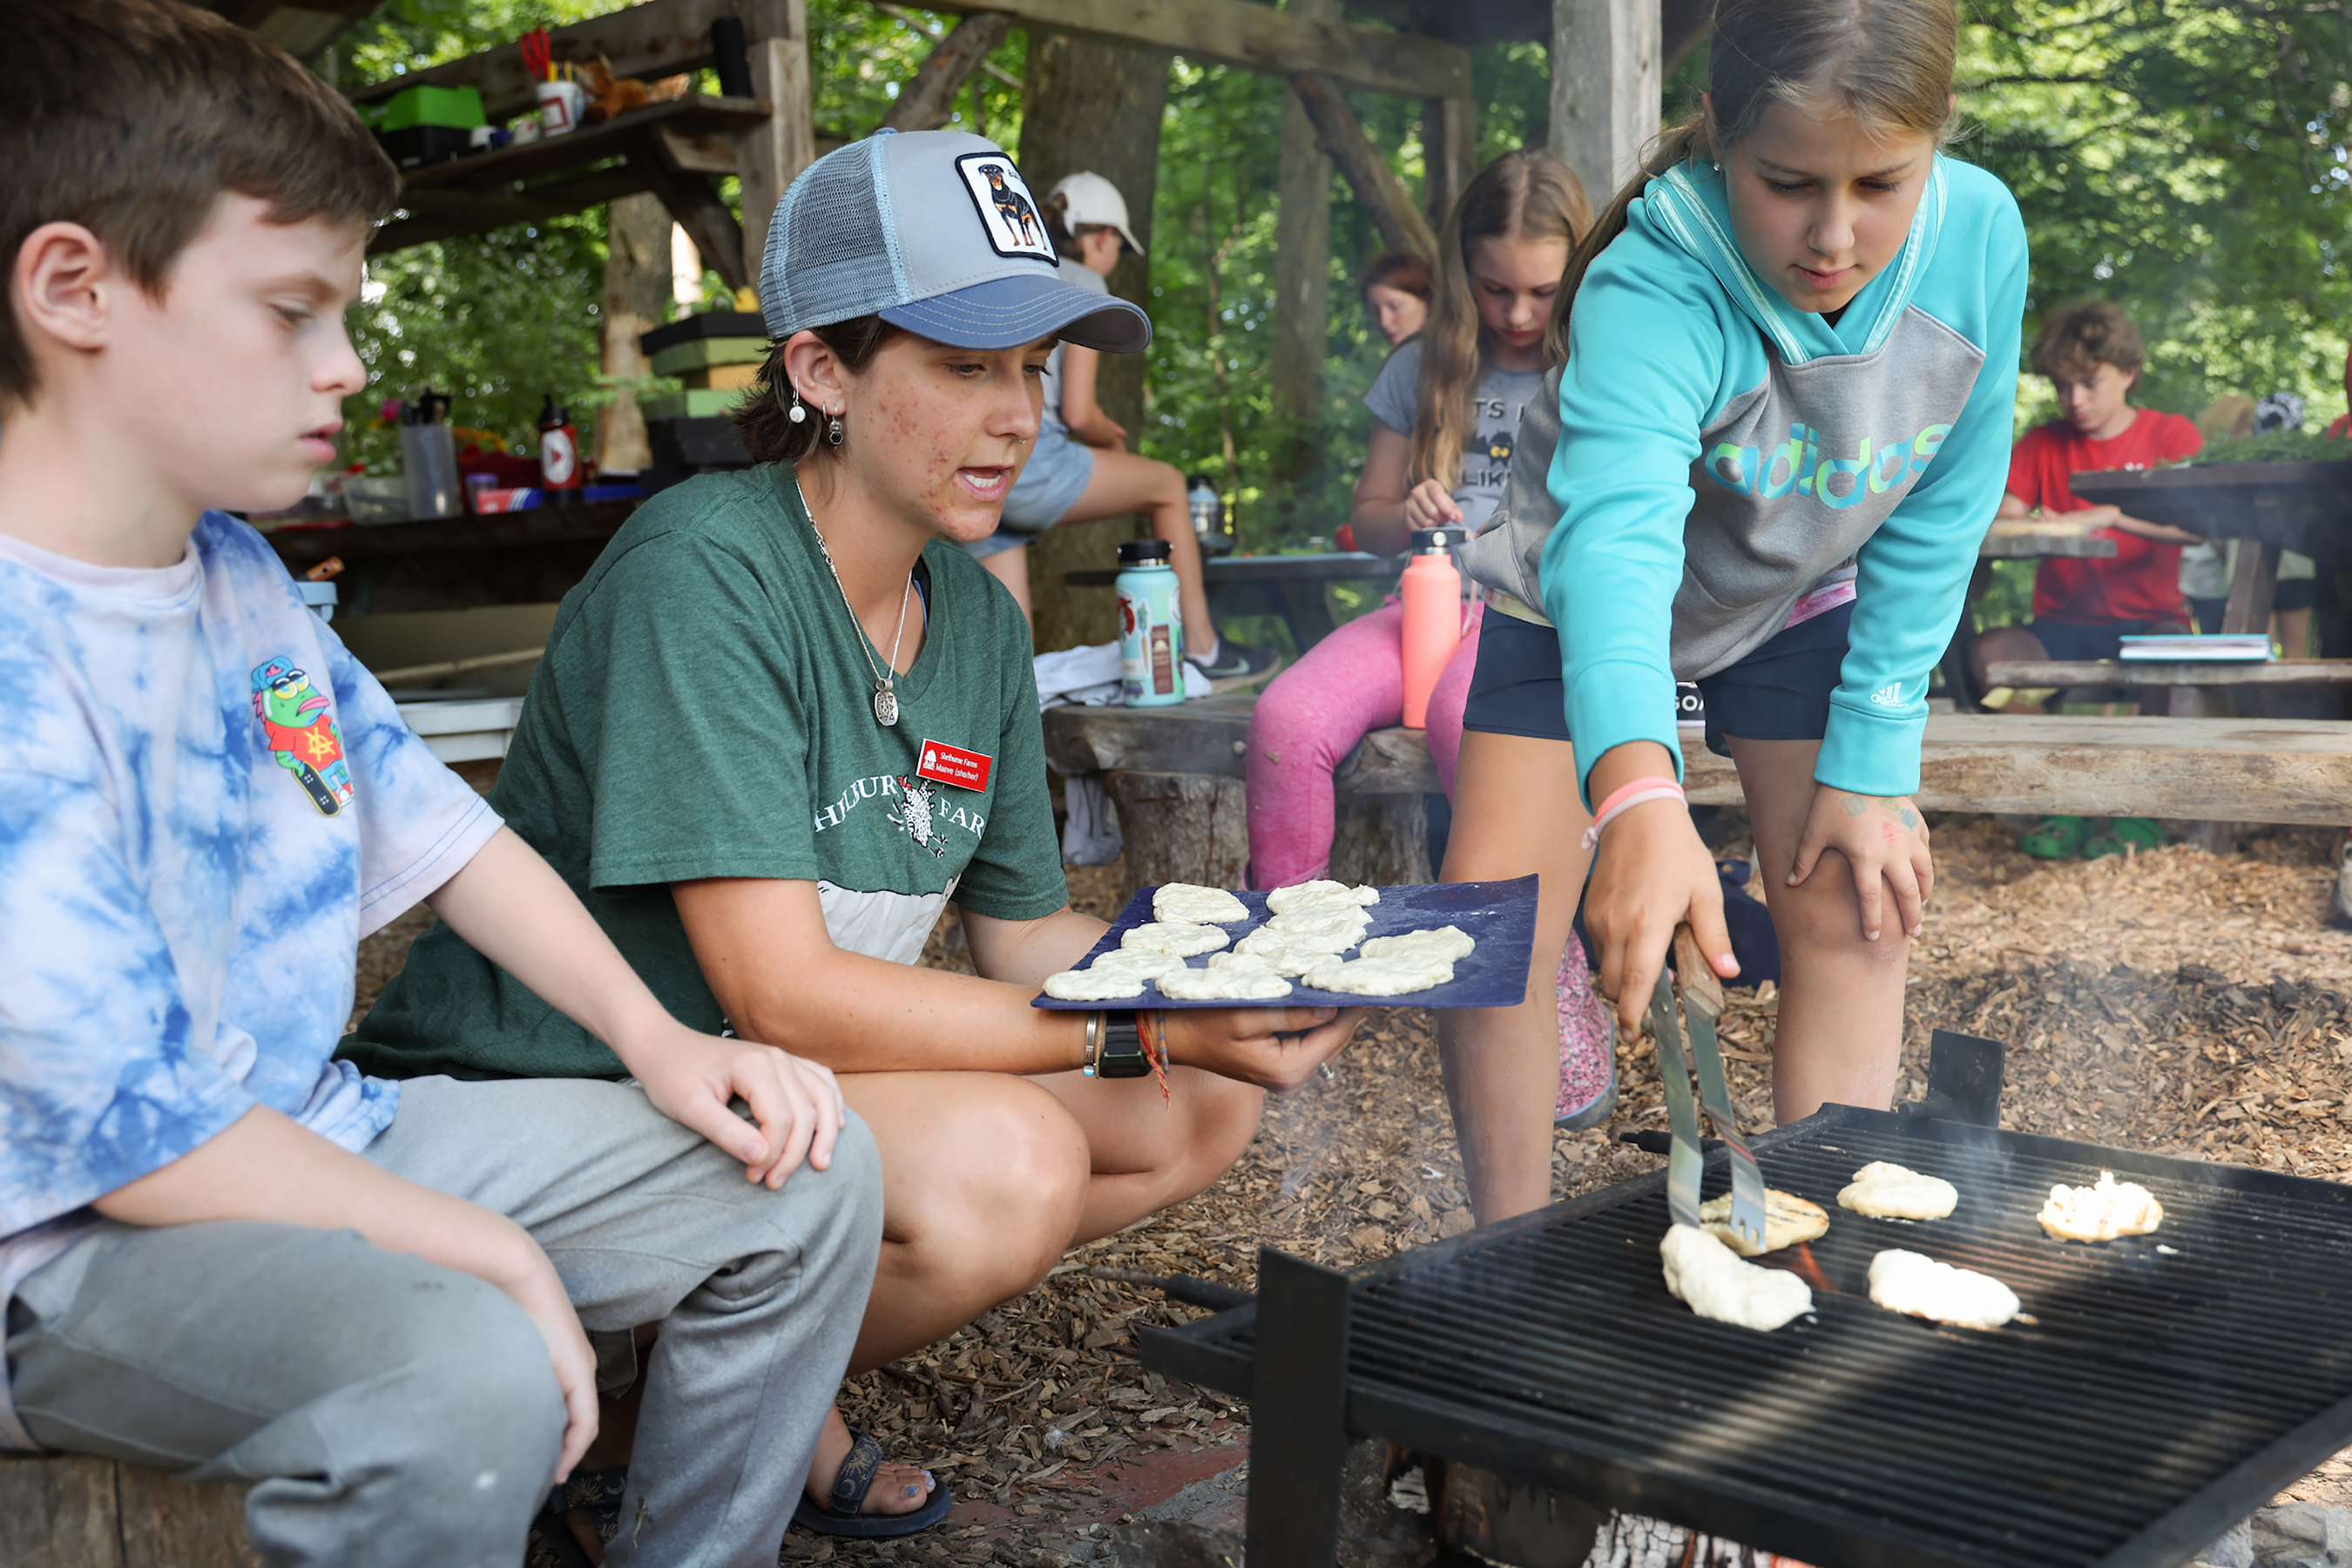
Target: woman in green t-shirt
785,721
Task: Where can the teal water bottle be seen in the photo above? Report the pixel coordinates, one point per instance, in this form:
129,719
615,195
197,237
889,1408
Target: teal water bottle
1151,631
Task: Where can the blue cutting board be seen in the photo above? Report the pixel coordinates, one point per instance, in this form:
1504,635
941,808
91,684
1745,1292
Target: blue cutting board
1499,916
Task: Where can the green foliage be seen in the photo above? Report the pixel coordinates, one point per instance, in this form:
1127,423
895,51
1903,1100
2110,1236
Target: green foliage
2186,159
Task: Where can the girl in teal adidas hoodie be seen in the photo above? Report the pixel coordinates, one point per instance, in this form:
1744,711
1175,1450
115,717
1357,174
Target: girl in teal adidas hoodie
1783,426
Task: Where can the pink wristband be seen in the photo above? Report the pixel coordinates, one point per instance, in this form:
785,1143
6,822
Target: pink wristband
1623,798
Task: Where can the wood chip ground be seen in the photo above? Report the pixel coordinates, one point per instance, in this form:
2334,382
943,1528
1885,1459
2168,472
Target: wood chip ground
2171,1000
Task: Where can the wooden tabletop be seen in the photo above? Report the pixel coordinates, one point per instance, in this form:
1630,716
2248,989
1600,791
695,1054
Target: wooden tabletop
2171,672
1335,566
2074,543
459,562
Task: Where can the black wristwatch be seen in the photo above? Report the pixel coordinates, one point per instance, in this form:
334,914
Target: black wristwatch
1118,1048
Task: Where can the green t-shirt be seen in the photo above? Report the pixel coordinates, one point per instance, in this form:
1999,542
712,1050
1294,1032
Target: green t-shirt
704,708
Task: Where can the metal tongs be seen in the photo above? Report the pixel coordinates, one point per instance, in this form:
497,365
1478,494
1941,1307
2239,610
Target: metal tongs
1702,997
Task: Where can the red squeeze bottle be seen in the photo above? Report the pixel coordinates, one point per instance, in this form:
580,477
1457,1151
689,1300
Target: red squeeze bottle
1432,617
559,448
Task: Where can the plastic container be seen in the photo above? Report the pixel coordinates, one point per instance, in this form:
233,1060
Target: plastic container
1151,631
560,106
374,498
428,461
1207,509
1431,589
559,448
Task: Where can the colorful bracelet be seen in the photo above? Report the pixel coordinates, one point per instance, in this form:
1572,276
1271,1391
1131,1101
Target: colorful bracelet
1156,1032
1623,798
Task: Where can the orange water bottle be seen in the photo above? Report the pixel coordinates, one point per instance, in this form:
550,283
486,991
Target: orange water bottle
1432,617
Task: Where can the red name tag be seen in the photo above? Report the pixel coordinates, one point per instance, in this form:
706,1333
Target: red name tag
953,764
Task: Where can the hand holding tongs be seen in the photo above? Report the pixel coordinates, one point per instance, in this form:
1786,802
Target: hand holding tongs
1702,995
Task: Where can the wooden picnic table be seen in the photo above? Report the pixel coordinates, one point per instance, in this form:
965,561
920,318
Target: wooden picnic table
1294,587
2006,540
457,563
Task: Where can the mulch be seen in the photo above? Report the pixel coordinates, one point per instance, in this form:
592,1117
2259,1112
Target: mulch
2171,1000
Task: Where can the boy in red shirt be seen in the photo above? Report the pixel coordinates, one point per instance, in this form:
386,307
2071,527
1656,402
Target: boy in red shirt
2083,608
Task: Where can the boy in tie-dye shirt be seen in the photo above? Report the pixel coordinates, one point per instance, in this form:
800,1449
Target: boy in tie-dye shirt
223,1253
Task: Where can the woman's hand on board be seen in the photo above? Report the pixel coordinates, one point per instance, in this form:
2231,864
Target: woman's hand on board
1651,873
1273,1047
1885,841
1430,505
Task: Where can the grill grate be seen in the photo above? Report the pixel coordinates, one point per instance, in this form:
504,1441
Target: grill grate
2156,1398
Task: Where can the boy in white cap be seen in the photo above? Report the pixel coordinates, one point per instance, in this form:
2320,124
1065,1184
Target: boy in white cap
784,724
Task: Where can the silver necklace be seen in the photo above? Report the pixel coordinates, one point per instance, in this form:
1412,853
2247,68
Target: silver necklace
886,701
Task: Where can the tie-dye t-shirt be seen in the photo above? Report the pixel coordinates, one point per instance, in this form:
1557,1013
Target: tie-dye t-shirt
204,803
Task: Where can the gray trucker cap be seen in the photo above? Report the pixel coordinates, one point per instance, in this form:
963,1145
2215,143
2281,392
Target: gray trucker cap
934,231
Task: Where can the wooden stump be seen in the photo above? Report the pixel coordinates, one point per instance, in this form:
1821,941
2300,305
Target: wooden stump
79,1513
1382,839
1182,828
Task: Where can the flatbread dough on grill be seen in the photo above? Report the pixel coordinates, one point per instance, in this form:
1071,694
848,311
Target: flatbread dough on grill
1093,984
1193,904
1141,961
1223,984
1182,938
1719,1283
1885,1191
2101,1212
1918,1286
1788,1220
1319,893
1380,977
1284,954
1451,943
1335,932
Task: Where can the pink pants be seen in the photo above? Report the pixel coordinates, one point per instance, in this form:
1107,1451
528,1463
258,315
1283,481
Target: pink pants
1347,686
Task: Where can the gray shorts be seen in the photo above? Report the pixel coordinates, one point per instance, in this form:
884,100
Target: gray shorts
1051,482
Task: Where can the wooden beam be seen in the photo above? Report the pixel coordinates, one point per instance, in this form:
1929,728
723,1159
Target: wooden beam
636,287
446,213
1383,195
1605,89
771,156
708,221
928,98
657,38
1257,37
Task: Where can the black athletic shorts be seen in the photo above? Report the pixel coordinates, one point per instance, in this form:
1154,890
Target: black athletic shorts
1780,691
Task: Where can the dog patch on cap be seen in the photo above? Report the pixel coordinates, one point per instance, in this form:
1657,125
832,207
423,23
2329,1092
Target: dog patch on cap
1007,211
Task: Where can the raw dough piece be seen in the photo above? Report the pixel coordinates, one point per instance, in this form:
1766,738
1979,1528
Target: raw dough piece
1334,932
1788,1220
1182,938
1451,943
1885,1191
1137,960
1093,984
1221,984
1193,904
1911,1283
2101,1212
1380,977
1241,959
1720,1284
1282,953
1318,894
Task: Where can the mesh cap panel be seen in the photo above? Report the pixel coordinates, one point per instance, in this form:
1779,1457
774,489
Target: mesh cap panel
832,248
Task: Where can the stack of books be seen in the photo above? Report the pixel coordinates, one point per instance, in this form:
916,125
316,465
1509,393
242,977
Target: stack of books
2240,648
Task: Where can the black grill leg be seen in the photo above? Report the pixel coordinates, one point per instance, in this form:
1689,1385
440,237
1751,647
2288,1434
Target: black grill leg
1299,1412
1964,1078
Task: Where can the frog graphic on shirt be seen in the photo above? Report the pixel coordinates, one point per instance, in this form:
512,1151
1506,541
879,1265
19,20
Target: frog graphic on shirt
298,721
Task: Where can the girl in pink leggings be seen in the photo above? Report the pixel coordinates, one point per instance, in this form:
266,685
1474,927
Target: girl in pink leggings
1446,412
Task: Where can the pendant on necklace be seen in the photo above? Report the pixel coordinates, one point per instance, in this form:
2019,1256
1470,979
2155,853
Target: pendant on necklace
886,705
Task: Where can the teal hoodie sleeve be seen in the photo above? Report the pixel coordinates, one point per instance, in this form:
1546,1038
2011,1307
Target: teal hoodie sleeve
1645,373
1912,577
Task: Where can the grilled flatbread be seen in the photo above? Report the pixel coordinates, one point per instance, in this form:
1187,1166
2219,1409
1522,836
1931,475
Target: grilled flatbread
1788,1220
1886,1191
1719,1283
1918,1286
2101,1212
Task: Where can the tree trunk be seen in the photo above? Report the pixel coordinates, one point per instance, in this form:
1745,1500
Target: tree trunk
1449,140
1182,828
1605,89
928,98
1378,189
1302,299
636,284
1093,107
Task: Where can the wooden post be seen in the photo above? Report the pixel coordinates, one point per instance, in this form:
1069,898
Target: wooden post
1605,88
636,283
1449,144
928,97
1302,297
774,152
1092,106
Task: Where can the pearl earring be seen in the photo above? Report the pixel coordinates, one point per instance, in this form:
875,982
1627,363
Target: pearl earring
796,413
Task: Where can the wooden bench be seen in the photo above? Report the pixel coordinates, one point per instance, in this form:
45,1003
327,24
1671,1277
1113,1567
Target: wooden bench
99,1513
2182,689
1176,774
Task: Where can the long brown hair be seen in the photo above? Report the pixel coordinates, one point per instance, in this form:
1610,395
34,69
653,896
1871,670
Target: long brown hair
1527,195
1886,64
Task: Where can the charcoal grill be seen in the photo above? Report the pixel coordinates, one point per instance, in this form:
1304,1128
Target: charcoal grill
2159,1396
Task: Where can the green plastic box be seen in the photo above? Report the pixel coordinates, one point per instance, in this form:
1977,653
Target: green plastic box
697,403
704,352
425,104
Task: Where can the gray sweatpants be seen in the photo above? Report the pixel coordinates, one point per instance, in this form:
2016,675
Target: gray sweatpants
397,1413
